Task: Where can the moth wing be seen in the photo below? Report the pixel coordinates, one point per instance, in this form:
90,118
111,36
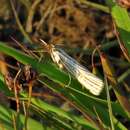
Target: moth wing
84,76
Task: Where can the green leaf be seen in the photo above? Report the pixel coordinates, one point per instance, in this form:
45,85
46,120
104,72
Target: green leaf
122,20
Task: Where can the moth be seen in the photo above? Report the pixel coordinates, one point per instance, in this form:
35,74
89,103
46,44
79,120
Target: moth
83,75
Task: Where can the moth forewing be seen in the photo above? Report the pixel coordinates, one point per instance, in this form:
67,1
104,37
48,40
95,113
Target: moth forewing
90,82
85,77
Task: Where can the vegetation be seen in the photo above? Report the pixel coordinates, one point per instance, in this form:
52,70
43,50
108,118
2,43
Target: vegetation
35,93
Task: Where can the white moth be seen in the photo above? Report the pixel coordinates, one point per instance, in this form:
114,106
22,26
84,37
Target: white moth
84,76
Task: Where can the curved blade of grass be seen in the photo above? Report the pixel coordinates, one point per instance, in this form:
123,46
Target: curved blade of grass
115,106
49,108
42,106
55,75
